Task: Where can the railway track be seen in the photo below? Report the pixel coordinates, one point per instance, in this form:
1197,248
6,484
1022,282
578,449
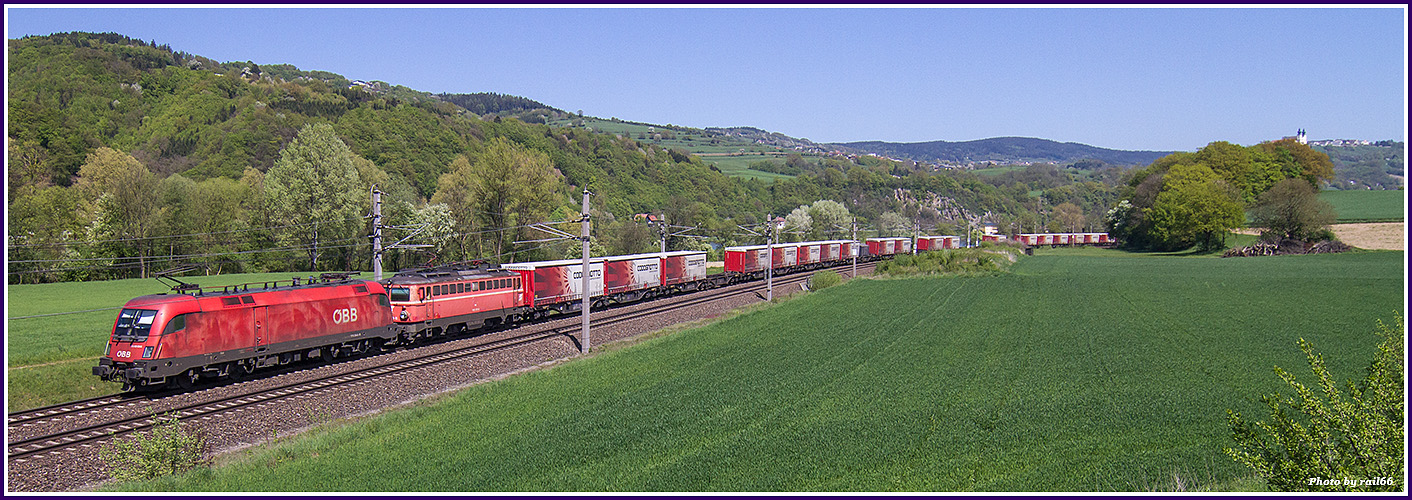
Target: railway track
96,434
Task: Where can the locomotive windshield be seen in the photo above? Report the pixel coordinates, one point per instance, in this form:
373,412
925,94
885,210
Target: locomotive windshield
134,325
400,294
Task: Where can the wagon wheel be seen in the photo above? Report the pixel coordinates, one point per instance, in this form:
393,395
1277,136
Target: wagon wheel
187,379
328,354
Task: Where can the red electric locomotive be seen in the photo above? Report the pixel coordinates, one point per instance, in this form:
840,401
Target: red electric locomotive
232,331
450,299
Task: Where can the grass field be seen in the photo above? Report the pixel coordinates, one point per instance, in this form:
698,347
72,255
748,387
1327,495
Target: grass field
735,166
1366,205
739,166
48,357
1086,370
999,170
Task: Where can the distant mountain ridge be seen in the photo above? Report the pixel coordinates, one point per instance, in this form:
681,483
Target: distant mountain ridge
1000,150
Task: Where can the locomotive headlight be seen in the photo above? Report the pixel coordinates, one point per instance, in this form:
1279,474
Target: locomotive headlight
147,352
403,315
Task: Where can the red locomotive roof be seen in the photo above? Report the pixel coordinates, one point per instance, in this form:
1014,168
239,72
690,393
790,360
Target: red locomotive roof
244,295
419,277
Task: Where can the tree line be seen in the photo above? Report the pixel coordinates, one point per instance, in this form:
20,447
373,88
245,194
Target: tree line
1187,199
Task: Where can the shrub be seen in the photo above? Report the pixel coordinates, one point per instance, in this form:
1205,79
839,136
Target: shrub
824,279
167,449
1329,440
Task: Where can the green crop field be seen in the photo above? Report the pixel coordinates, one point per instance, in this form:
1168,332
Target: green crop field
739,166
1367,205
55,332
1079,371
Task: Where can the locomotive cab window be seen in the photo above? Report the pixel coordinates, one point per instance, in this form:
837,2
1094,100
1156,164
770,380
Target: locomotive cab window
134,325
175,324
400,294
382,300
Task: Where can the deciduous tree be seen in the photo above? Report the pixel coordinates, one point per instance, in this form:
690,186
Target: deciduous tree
1291,209
830,218
314,190
1069,216
131,208
502,186
1195,206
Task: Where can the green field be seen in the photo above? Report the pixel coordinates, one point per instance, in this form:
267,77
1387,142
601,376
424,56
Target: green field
999,170
1367,205
1079,371
739,166
49,356
735,166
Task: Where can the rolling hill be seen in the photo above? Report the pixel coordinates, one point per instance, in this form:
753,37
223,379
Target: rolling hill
1003,150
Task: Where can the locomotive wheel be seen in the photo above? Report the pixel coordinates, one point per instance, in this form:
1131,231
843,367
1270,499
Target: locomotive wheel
328,354
241,370
186,380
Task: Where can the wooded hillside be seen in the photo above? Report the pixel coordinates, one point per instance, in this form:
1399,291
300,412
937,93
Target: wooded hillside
127,156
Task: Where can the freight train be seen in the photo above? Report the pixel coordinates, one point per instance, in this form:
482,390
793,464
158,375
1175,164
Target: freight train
199,334
1055,239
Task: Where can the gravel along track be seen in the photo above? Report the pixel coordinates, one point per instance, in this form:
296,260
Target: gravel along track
78,466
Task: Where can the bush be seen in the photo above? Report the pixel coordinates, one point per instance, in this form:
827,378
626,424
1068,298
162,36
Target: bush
1326,440
167,449
824,279
966,261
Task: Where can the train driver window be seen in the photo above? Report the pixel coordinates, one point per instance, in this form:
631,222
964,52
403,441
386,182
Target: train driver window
175,324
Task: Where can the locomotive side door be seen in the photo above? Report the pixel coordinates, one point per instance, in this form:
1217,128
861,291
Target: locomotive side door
428,305
261,325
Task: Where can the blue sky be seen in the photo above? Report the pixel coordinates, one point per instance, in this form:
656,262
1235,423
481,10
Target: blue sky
1121,78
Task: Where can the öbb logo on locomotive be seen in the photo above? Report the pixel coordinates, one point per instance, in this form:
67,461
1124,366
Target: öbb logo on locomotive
349,315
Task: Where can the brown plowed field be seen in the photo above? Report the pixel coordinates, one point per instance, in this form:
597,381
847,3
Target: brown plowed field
1374,235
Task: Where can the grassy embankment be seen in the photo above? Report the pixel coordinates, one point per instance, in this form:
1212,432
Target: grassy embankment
1082,369
49,358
